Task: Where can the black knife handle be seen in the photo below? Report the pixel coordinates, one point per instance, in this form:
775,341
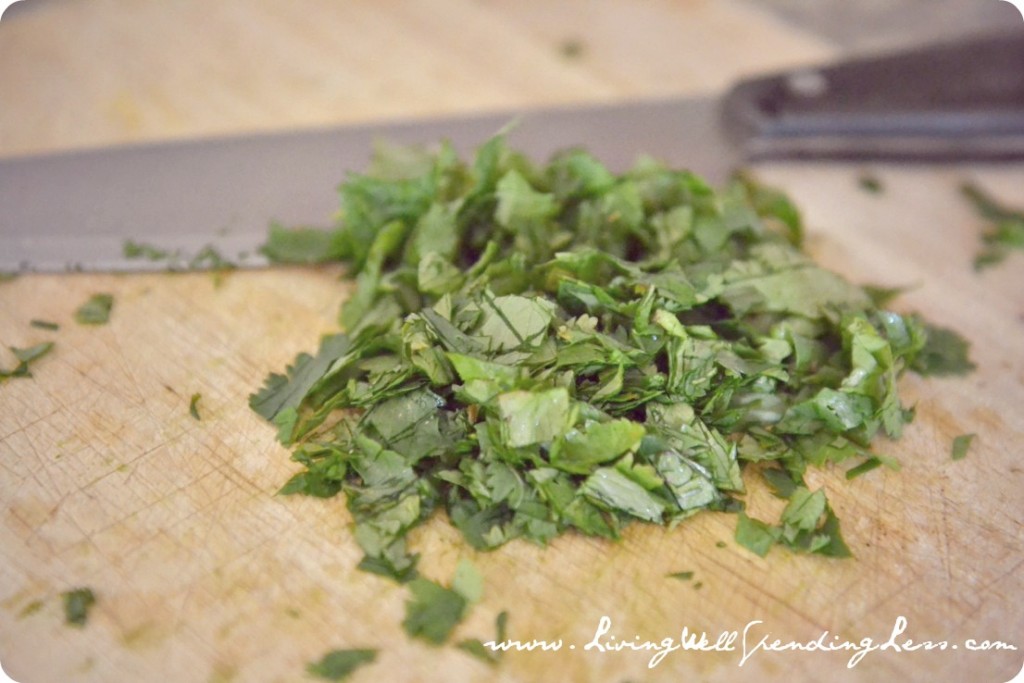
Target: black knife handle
959,100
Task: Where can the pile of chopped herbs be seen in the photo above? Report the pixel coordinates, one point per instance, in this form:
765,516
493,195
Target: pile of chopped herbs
537,349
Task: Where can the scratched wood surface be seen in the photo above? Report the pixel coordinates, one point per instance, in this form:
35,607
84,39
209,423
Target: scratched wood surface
202,574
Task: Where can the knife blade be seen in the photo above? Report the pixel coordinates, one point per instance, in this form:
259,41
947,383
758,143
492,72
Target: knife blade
75,211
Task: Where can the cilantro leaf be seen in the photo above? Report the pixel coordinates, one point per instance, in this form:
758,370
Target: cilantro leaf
301,245
1005,230
337,665
961,444
26,357
281,392
77,604
433,611
945,353
193,406
95,311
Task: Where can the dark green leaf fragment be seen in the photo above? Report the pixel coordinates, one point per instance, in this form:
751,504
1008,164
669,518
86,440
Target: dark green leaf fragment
864,467
682,576
754,535
140,250
337,665
1004,231
281,392
870,183
485,651
95,311
301,245
961,444
945,352
433,611
44,325
26,357
77,603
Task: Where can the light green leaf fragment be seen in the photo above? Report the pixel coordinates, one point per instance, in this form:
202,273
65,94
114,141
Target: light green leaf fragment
961,445
433,611
95,311
692,490
805,509
754,535
468,582
535,417
512,321
609,487
338,665
598,442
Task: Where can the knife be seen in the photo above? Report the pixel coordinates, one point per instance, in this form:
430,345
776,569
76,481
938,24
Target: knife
951,102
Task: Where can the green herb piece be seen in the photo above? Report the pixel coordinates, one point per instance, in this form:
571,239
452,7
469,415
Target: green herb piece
207,258
754,535
95,311
571,48
863,468
871,463
301,245
961,445
433,612
77,603
26,357
944,353
1004,231
682,576
44,325
545,349
485,651
140,250
870,183
210,258
807,524
337,665
30,609
193,406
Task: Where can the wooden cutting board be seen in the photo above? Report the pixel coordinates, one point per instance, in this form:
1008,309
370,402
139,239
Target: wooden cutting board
203,574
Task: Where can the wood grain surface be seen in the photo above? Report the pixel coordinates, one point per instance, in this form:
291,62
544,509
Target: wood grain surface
203,574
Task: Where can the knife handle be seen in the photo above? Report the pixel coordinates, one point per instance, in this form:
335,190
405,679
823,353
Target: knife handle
959,100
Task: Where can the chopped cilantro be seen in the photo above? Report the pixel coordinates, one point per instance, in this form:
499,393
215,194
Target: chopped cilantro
870,183
337,665
433,612
193,406
25,357
1004,231
944,352
77,603
961,445
95,311
542,349
139,250
481,650
300,245
44,325
682,576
